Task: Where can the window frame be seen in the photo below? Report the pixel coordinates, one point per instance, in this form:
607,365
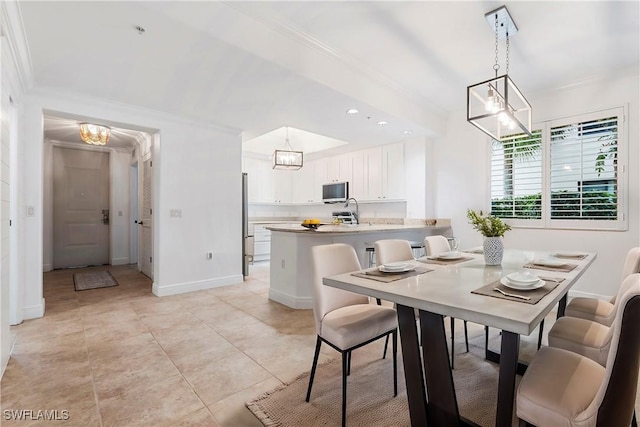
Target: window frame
546,222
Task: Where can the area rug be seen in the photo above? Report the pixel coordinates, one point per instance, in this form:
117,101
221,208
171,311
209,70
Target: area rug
93,280
370,400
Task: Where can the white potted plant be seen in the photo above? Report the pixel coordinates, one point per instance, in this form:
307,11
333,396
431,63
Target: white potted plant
493,229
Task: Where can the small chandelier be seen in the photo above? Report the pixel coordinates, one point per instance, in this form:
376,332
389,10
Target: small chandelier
496,106
287,158
94,134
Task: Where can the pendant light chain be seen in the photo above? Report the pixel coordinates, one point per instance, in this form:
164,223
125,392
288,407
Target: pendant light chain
496,66
507,59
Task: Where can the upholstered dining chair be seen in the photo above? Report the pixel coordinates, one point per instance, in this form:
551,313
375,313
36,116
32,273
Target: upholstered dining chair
598,310
434,245
586,337
563,388
345,320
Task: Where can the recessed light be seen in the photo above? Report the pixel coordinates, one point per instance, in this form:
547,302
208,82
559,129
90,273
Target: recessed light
407,132
382,123
352,111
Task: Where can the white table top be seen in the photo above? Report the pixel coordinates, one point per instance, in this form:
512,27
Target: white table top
447,290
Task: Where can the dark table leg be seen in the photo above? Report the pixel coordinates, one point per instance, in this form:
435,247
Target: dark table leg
509,350
562,304
443,406
413,373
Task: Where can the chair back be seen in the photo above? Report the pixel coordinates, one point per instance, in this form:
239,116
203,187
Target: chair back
329,260
631,265
393,250
434,245
614,402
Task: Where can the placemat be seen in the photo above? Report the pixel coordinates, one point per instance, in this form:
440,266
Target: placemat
378,275
565,268
444,261
534,295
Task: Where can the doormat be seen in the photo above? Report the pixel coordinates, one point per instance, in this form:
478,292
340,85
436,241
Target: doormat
93,280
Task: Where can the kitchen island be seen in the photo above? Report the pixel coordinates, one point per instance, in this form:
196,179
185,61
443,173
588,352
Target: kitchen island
291,268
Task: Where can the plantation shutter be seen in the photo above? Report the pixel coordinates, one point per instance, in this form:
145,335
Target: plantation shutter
584,169
516,176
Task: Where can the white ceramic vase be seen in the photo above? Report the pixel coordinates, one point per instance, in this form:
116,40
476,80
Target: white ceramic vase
493,250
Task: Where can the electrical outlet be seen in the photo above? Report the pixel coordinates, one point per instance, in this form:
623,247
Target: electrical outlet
209,255
282,264
175,213
30,211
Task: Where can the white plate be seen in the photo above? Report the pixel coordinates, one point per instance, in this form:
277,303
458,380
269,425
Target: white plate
525,278
449,255
383,269
570,254
531,287
549,262
400,265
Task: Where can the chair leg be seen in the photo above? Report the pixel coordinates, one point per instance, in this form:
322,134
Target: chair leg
452,343
540,334
313,367
395,362
345,363
634,423
348,363
466,336
386,340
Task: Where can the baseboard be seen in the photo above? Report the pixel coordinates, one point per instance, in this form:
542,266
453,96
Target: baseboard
300,303
34,311
181,288
46,267
119,261
579,294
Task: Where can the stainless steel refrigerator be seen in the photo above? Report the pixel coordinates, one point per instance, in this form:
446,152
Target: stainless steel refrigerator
247,231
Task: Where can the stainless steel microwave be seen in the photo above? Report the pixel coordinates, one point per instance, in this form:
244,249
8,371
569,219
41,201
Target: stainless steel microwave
335,192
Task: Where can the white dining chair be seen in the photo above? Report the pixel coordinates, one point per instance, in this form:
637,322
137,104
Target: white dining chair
596,309
345,320
563,388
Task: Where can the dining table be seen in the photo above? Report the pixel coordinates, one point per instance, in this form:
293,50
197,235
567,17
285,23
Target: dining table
462,286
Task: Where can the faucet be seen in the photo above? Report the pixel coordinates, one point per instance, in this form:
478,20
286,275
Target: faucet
357,213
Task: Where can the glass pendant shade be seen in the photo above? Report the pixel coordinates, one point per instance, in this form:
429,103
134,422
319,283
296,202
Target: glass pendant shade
284,159
94,134
498,108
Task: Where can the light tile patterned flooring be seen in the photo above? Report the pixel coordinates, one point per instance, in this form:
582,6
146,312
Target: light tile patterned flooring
123,357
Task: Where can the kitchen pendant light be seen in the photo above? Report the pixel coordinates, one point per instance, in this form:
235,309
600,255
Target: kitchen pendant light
496,106
287,158
94,134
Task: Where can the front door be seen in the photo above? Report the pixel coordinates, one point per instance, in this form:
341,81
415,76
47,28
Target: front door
80,207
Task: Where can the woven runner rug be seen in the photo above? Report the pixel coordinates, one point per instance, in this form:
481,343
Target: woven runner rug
370,400
93,280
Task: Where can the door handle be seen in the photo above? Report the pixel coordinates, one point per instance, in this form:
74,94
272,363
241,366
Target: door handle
140,223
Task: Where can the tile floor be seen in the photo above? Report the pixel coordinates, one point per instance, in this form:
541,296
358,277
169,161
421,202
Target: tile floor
121,356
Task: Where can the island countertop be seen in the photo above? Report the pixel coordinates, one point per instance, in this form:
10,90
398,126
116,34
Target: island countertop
355,229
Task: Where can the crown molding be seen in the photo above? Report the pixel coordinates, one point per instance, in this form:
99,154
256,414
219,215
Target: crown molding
13,30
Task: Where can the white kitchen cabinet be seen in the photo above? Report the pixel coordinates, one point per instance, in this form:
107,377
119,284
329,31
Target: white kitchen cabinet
262,243
260,181
358,181
339,168
384,172
282,182
303,183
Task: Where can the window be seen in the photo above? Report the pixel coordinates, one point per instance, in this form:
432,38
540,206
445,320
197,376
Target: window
567,174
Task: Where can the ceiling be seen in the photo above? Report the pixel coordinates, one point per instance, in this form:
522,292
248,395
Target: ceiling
259,66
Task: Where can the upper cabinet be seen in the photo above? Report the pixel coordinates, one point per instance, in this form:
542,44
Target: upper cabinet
376,174
384,171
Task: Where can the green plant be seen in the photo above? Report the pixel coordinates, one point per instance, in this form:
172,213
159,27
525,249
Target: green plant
487,225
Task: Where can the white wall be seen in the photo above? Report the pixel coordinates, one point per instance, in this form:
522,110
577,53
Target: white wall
463,179
196,169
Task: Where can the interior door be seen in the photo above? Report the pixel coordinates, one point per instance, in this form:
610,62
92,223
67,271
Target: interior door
146,221
80,207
